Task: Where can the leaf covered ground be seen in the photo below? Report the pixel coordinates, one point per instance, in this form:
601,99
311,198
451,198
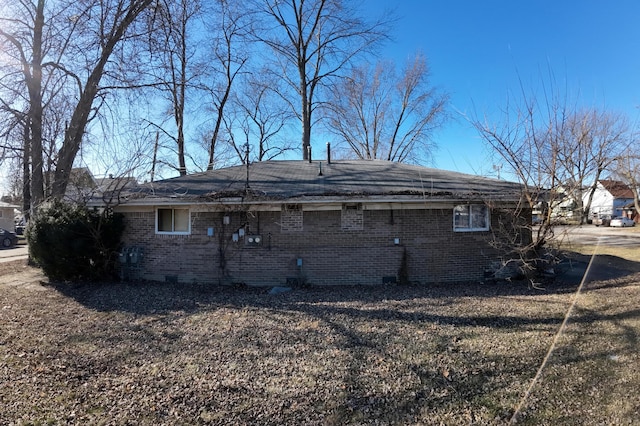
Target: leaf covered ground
164,354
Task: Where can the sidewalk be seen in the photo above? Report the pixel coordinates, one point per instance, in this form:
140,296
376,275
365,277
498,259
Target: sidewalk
19,252
14,259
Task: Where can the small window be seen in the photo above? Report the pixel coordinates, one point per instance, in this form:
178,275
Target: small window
173,221
471,217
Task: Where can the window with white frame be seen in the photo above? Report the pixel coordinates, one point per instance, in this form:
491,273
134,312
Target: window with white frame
470,218
173,221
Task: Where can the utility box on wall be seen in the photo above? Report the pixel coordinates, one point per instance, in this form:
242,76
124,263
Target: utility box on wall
130,259
131,256
253,240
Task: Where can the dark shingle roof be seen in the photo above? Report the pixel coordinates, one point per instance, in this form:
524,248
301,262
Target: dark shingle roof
274,180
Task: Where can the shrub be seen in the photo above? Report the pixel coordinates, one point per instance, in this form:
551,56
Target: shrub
72,243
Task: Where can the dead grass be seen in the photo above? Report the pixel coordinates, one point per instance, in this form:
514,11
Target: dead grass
628,253
151,354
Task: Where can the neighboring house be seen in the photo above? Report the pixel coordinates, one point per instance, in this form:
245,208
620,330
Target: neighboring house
558,205
110,188
343,222
610,198
7,216
83,186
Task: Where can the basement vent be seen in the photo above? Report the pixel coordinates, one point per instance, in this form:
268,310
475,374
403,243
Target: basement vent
389,280
352,206
352,218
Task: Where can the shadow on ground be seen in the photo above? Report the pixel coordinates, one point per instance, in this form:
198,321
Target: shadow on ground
577,266
145,298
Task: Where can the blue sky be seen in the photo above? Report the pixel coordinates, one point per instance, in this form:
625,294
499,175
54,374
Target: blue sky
477,50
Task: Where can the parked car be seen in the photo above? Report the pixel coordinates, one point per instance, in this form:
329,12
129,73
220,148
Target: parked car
8,238
20,225
603,220
621,222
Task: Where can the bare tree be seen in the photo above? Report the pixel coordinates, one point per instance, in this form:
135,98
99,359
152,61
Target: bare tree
591,140
106,25
24,36
61,50
12,191
628,169
382,115
313,41
36,36
527,151
230,55
557,151
173,51
527,139
259,118
15,149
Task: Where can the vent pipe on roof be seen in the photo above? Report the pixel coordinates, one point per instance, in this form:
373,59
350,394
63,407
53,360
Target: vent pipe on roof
309,153
328,152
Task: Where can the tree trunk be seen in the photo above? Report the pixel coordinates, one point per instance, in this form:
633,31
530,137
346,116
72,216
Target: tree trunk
586,207
306,116
636,202
75,132
306,136
34,86
182,164
219,118
26,174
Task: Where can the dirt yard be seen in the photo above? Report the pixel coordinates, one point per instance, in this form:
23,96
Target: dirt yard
165,354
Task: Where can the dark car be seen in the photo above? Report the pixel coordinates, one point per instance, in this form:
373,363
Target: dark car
8,238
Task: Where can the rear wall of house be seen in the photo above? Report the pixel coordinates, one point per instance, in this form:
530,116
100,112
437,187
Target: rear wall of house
315,247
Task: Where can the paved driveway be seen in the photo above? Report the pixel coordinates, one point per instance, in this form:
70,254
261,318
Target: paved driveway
607,236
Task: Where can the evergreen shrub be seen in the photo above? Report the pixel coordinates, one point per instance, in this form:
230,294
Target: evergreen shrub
74,243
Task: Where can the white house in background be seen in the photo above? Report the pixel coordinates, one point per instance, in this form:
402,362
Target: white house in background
610,198
7,216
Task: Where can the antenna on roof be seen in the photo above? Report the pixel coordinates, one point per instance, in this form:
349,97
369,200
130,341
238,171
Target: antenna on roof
497,168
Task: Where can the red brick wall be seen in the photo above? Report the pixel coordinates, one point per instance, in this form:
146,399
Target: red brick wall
329,253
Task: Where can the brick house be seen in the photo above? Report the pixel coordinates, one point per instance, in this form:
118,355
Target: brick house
342,222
